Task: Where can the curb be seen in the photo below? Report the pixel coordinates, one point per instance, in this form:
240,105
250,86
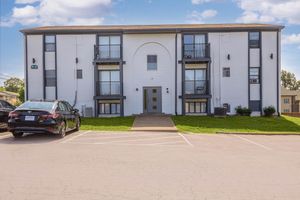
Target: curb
267,134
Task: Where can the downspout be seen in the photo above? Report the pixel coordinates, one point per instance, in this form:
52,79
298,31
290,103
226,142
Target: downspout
26,68
278,73
75,73
176,73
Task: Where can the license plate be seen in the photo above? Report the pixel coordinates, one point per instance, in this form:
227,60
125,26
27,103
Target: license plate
29,118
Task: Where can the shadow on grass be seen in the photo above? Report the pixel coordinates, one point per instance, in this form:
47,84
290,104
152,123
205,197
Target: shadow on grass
237,124
107,124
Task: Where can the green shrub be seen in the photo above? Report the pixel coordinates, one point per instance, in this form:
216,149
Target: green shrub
269,111
243,111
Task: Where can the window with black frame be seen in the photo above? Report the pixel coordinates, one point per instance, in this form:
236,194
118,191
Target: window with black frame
109,47
196,106
195,81
109,108
254,39
194,46
254,75
109,82
50,43
50,78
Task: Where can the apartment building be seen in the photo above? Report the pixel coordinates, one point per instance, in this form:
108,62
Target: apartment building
178,69
290,101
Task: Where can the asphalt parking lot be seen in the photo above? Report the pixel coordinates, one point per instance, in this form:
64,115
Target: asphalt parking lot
149,165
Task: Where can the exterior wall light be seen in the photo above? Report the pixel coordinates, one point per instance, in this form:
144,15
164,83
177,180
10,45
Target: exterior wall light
136,89
76,60
167,90
33,60
228,57
271,56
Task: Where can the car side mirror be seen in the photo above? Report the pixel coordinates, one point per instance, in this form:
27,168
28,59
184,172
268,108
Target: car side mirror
75,110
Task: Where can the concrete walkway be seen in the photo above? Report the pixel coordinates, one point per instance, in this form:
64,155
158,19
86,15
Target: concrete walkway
153,123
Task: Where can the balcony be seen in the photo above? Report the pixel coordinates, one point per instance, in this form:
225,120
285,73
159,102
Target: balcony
196,52
196,87
108,88
107,53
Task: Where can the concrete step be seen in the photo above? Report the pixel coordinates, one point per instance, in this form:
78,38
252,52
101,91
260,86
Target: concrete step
153,123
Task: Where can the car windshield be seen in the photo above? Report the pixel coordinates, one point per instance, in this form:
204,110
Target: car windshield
34,105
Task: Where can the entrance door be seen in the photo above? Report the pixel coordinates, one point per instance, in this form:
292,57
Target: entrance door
152,99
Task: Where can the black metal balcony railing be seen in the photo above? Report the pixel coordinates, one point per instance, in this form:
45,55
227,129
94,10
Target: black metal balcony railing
107,52
196,87
196,51
108,88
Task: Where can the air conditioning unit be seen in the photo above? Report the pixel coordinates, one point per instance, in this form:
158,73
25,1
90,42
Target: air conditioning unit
87,111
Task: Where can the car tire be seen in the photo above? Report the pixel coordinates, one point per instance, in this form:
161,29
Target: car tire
62,130
77,124
17,134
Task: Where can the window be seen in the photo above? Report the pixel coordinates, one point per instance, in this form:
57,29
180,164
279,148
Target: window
109,108
226,72
152,62
254,105
196,106
50,43
68,106
194,46
195,81
254,39
109,47
254,75
62,107
286,101
4,104
50,78
286,110
109,82
79,73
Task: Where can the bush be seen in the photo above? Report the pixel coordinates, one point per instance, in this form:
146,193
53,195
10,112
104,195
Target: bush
269,111
243,111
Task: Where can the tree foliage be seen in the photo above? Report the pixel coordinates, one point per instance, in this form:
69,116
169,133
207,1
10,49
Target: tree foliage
13,84
289,80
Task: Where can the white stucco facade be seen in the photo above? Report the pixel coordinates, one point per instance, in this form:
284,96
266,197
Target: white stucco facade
75,53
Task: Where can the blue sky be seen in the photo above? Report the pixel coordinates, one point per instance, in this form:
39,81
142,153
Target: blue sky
18,14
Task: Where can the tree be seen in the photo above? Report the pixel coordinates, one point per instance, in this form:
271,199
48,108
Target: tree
289,80
13,84
22,95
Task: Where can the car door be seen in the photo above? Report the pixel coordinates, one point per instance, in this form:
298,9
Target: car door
69,114
5,108
64,112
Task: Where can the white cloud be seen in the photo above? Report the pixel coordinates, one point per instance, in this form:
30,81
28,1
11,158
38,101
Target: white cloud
209,14
198,17
292,39
58,12
197,2
26,1
269,11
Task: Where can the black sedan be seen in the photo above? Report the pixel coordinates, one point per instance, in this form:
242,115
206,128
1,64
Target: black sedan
5,108
56,117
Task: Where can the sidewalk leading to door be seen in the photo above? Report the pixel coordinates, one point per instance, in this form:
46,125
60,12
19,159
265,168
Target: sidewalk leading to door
153,123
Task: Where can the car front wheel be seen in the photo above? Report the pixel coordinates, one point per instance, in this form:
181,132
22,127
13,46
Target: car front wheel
17,134
77,124
62,130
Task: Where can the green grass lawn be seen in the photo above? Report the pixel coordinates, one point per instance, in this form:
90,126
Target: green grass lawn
237,124
107,124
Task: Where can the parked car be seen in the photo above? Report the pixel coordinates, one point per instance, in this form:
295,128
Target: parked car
55,117
5,108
